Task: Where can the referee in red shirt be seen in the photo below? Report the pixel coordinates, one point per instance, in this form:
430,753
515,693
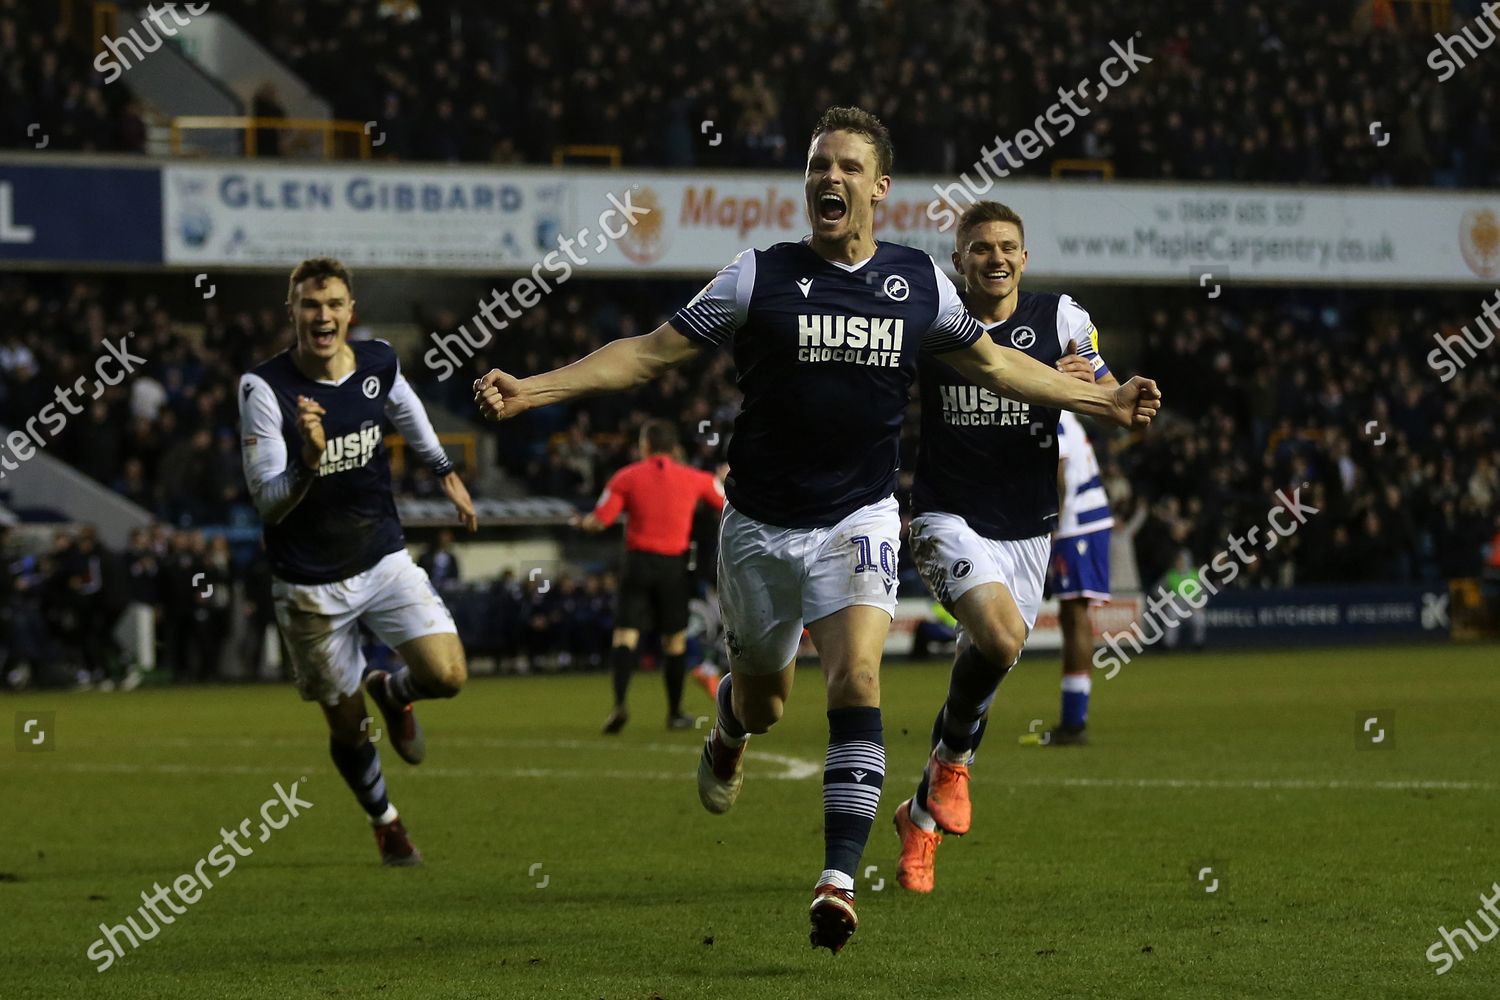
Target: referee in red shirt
658,495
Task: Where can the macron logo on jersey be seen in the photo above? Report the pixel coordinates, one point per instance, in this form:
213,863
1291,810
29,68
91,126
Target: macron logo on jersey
857,340
352,451
971,406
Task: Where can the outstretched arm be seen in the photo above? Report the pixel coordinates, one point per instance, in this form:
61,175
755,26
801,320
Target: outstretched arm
618,365
611,504
1015,374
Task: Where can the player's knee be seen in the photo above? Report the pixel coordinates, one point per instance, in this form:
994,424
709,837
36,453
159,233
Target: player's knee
451,681
999,644
446,679
855,683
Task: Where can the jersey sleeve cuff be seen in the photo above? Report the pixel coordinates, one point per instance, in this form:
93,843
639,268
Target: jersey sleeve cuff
695,328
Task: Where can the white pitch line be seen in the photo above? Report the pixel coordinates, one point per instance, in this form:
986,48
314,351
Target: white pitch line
792,768
795,769
793,772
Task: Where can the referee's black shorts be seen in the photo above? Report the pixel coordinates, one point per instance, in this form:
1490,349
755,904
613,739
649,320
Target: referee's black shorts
653,593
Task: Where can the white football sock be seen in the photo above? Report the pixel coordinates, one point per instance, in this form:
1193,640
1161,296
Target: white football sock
921,817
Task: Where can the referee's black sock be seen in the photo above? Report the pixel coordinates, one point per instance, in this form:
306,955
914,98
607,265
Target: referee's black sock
622,661
674,669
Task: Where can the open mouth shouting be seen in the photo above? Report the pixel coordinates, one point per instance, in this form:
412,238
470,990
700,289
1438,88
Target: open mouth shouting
831,207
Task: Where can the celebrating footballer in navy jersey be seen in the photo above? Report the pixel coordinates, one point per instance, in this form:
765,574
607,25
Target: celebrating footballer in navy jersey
316,463
984,501
826,334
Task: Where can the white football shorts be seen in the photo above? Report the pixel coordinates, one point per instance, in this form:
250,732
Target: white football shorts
319,621
954,559
772,580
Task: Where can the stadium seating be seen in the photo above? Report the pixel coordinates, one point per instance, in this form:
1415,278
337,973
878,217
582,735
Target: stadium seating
486,84
49,99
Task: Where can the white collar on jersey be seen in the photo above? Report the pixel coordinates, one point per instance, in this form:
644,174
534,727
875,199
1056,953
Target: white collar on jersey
851,268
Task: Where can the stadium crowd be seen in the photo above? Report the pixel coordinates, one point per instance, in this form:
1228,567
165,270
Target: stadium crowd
468,81
1330,393
1333,395
68,615
50,95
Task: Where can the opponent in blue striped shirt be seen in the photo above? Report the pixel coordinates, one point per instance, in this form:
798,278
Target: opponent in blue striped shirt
1079,576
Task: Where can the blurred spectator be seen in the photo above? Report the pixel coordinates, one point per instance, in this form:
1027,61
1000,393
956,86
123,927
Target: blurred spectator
99,588
265,105
440,562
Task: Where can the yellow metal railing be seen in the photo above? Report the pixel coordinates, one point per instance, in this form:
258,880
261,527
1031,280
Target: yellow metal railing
1438,14
465,440
251,126
1104,169
610,153
106,22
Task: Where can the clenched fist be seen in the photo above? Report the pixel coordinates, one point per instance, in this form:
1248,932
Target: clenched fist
1136,402
499,396
310,416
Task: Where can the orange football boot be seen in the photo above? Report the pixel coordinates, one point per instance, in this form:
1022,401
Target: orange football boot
948,795
914,870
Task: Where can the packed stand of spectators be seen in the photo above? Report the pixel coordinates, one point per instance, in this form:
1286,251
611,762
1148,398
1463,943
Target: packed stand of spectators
1264,92
572,451
64,611
69,612
527,620
1295,380
1234,91
1266,391
51,97
166,437
1333,396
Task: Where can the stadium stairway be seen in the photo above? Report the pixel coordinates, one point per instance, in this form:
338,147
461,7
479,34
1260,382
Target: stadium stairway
212,68
43,489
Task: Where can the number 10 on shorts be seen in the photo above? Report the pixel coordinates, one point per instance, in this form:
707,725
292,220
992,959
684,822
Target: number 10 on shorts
864,562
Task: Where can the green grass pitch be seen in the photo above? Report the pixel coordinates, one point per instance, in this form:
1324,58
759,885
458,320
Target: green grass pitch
1335,864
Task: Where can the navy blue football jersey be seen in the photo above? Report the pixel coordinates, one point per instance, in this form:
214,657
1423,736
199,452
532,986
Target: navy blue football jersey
825,355
993,460
347,521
